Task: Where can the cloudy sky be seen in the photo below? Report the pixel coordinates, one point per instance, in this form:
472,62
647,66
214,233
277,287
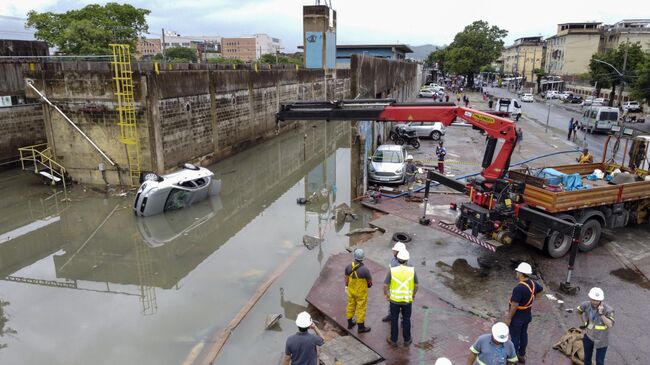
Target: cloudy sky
359,21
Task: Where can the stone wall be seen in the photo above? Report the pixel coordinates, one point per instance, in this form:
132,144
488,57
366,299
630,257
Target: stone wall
20,126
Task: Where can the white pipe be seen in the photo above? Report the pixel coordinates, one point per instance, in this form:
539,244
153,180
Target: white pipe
30,83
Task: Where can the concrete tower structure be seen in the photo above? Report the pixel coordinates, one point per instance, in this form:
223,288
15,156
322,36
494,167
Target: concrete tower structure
319,36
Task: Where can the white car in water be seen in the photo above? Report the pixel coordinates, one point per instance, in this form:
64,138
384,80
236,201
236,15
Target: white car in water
177,190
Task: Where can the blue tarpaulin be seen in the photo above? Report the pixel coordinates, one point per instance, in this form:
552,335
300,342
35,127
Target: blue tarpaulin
569,181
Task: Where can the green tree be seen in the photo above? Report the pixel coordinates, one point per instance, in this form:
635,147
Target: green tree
539,74
281,59
606,76
180,54
90,30
479,44
641,83
437,56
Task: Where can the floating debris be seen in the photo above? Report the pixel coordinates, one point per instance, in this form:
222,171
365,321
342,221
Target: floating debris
361,230
311,241
271,320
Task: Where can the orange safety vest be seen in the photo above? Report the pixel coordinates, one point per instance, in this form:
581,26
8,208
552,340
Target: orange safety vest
532,296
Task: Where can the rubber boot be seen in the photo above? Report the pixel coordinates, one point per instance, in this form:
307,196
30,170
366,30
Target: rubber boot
386,319
351,323
362,328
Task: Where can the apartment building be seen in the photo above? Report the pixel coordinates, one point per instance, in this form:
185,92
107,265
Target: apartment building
146,48
627,30
568,52
523,57
250,48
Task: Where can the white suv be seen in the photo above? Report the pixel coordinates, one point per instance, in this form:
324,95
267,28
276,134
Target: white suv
631,107
551,94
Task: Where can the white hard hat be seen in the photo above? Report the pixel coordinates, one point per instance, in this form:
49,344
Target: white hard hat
303,320
409,157
524,268
399,246
596,294
403,255
359,254
443,361
500,332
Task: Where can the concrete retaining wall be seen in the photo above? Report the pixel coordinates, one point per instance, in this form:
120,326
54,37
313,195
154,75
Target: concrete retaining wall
191,114
20,126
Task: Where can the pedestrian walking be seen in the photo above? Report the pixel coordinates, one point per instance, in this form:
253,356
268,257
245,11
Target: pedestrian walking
357,282
400,287
458,97
494,348
520,314
446,98
490,102
441,152
568,138
576,125
520,137
466,100
302,348
596,318
394,262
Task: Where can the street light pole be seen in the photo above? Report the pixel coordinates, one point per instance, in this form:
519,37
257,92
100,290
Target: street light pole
548,116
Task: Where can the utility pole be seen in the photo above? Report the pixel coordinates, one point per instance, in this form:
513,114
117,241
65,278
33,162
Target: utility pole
548,116
620,94
163,47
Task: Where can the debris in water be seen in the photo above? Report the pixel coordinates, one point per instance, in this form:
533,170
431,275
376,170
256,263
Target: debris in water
361,230
310,241
271,320
551,297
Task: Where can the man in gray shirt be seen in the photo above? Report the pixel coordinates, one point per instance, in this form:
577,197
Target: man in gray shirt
302,347
596,318
494,348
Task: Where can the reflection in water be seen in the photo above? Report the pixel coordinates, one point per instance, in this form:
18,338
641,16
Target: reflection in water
462,278
291,309
4,329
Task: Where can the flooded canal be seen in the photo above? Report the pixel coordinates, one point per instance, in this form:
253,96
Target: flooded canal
86,282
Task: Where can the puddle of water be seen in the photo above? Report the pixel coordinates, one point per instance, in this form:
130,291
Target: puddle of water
101,278
632,276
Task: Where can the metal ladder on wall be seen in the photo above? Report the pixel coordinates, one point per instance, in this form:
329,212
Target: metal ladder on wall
123,76
40,155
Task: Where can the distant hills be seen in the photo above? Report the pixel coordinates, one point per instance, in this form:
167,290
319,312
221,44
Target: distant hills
421,52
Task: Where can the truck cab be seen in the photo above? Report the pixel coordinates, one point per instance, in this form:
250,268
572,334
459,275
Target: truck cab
510,106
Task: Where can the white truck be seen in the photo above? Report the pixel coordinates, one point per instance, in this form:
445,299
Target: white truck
599,119
510,106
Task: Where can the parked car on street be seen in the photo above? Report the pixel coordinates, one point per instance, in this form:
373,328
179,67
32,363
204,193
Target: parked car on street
631,106
574,99
598,101
433,130
427,93
388,164
528,98
599,118
588,101
551,94
563,96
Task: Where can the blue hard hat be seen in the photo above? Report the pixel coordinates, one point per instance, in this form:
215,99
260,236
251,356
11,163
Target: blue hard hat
359,254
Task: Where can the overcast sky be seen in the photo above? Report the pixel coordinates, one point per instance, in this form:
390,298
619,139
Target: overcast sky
359,21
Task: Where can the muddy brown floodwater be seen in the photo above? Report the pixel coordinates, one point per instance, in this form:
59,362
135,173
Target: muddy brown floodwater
87,282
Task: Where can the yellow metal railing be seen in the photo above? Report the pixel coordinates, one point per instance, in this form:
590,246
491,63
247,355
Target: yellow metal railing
41,156
123,76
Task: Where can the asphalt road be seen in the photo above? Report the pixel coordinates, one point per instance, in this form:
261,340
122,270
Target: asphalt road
558,119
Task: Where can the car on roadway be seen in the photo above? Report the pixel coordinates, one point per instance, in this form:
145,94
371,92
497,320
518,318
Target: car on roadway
631,107
573,99
433,130
598,102
588,101
387,165
563,96
528,98
599,118
551,94
427,93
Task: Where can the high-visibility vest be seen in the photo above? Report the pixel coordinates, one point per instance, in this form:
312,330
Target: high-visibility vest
584,158
532,296
402,282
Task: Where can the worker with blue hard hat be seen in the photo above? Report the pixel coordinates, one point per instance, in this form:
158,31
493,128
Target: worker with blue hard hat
357,282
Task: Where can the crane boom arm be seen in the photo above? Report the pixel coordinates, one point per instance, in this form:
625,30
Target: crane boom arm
388,110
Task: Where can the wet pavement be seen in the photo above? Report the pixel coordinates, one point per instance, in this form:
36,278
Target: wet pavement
86,281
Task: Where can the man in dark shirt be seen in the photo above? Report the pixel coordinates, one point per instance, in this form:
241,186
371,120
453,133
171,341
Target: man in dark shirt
302,347
357,282
519,314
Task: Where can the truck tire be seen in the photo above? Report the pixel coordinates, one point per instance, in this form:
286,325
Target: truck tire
591,231
557,244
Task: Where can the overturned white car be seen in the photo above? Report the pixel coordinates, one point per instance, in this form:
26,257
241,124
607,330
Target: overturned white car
177,190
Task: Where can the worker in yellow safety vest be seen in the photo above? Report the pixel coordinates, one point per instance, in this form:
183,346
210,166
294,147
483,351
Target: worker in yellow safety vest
596,318
400,287
585,157
357,282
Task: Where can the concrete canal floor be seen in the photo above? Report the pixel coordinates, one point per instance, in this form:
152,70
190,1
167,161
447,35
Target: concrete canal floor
86,282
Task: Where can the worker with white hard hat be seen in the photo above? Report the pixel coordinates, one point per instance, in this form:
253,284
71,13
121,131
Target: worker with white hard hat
596,318
302,347
443,361
519,313
493,348
357,282
410,172
397,247
400,287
